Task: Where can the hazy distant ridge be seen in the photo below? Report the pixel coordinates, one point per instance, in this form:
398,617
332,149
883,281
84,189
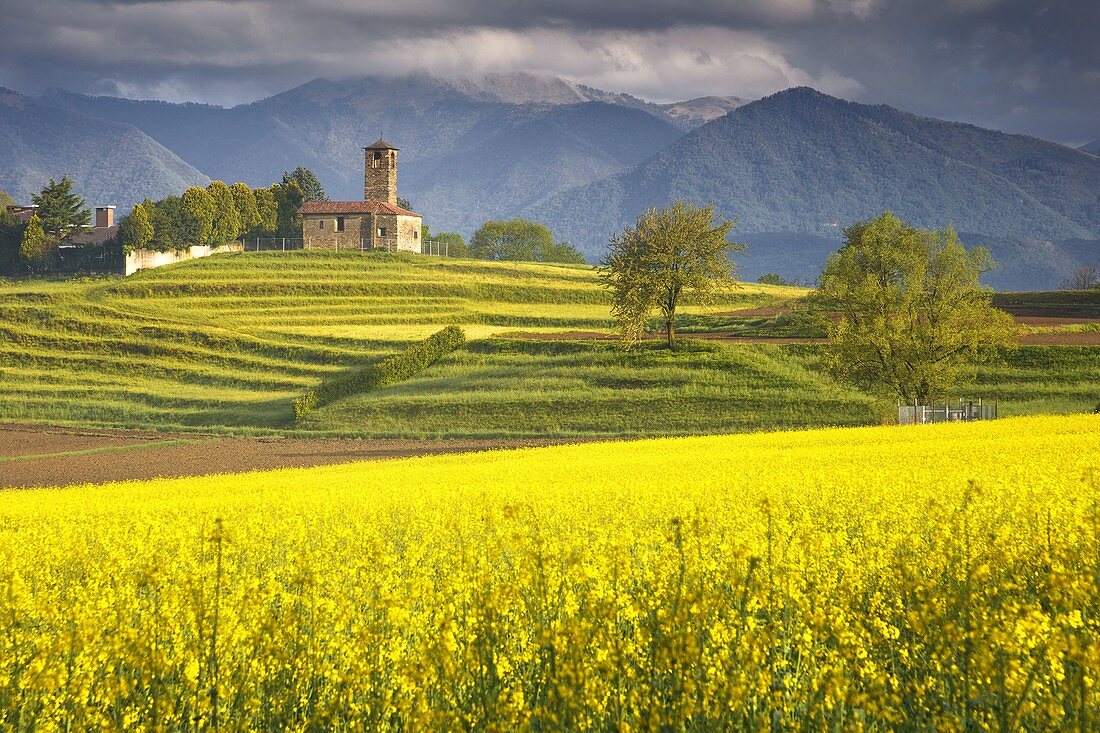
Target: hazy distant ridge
110,162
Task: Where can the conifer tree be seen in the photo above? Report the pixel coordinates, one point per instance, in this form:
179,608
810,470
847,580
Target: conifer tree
59,208
312,190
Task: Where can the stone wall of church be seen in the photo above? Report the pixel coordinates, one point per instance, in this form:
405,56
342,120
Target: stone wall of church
397,233
408,233
320,231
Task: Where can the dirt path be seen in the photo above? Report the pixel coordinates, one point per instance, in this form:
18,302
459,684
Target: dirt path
1085,338
35,456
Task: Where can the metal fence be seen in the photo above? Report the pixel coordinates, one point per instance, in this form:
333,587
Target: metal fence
434,247
962,411
269,244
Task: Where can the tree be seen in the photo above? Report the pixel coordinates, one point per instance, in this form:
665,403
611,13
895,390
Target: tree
268,211
226,225
11,237
520,240
667,253
60,209
565,253
5,200
909,312
198,207
450,244
35,247
404,203
770,278
248,214
135,230
173,227
312,190
288,199
1082,278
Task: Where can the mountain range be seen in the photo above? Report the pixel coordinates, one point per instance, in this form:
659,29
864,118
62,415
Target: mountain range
110,162
805,164
795,167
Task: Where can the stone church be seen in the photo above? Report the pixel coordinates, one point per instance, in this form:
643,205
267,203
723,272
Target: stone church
376,222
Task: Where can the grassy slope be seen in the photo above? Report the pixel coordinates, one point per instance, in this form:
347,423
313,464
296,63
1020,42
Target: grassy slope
225,343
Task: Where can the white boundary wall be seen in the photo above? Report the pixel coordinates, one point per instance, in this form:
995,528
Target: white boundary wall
145,259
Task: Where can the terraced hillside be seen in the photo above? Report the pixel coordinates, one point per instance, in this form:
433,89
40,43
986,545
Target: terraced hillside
229,341
226,343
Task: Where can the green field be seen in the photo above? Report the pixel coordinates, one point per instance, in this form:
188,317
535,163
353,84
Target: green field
226,343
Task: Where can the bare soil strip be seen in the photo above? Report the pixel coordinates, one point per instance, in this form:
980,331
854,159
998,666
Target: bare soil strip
1086,338
46,456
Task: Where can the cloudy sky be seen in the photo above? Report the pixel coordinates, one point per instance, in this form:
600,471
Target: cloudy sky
1030,66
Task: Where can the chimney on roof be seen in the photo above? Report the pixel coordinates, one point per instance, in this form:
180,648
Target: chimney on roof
104,217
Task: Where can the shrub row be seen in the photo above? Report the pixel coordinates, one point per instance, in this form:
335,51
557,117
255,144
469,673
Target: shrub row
390,370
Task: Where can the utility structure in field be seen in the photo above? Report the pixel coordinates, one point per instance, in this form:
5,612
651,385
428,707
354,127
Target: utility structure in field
376,222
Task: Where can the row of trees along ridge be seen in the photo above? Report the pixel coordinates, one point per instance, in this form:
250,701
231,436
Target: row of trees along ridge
220,213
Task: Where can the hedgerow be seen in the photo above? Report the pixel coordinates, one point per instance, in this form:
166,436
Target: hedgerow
393,369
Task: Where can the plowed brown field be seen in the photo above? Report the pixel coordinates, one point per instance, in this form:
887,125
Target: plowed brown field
33,456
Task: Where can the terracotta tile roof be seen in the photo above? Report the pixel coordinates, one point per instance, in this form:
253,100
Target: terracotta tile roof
371,206
91,235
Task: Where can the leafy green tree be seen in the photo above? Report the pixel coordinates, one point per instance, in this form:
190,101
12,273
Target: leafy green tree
267,210
520,240
909,312
60,209
135,230
226,225
404,203
198,206
288,198
450,244
770,278
668,253
311,188
248,214
5,200
173,227
35,247
565,253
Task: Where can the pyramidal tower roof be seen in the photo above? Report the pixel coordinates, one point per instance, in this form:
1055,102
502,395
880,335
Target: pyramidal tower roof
381,145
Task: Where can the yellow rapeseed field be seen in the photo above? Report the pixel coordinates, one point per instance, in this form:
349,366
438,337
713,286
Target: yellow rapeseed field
926,578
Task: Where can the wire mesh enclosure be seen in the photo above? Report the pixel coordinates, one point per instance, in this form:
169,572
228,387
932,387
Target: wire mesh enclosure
961,411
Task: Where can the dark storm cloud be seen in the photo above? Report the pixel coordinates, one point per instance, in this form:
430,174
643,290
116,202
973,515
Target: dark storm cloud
1019,65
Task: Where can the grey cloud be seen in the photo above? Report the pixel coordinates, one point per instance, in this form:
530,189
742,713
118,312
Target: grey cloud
1019,65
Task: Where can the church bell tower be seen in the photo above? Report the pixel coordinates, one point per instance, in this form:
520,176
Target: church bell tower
380,172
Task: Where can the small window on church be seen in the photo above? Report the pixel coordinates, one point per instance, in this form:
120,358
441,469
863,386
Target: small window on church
339,223
382,231
378,155
320,223
416,234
